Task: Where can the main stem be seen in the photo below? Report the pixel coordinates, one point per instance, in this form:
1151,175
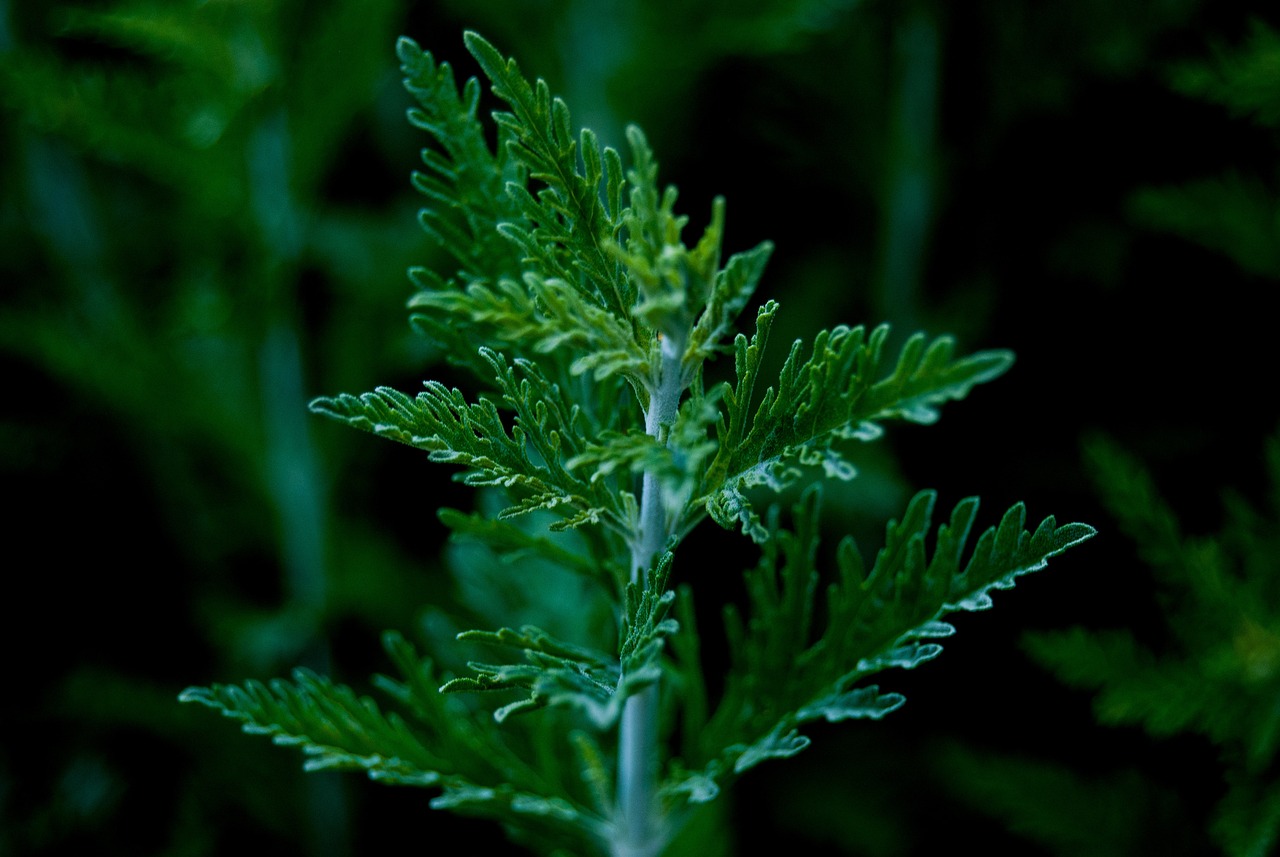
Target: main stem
638,833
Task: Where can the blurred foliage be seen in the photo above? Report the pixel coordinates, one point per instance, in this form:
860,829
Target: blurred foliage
203,214
1071,813
1217,672
1212,669
171,232
1235,214
1209,664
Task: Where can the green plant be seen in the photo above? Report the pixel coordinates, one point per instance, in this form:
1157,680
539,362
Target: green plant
588,326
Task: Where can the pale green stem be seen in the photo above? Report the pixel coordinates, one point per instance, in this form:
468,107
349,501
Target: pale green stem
638,832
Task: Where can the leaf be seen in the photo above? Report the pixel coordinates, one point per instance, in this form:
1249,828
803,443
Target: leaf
1136,687
785,671
1116,816
463,180
561,674
513,541
857,704
675,463
1247,822
841,391
731,289
693,788
571,226
646,627
527,460
475,797
1231,215
477,773
1243,79
1220,673
521,283
775,745
539,316
555,673
330,724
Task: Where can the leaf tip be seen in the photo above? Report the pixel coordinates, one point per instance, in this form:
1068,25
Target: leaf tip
407,50
201,695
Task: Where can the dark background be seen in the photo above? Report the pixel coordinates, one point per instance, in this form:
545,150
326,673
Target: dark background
205,219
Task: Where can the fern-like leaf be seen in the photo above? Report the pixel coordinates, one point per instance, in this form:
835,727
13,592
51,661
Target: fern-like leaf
572,224
842,390
554,673
463,181
527,460
1220,676
476,772
786,673
330,724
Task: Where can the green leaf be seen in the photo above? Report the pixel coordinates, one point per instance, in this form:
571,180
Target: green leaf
1221,673
785,671
731,289
571,227
555,673
861,703
561,674
646,627
330,724
514,542
463,180
1247,823
527,460
775,745
840,391
675,463
692,788
539,316
1136,687
1233,215
1244,79
477,772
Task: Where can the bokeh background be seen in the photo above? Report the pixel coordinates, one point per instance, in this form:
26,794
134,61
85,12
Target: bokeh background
205,219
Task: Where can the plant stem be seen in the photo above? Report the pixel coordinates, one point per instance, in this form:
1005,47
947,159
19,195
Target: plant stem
910,186
637,833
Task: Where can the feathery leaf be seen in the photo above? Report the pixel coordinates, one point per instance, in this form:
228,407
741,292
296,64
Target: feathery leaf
785,672
841,391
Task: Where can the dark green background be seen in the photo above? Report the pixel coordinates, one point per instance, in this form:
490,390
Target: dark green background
205,219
